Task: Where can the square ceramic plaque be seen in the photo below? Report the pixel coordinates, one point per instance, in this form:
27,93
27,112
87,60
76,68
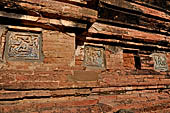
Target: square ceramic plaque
94,56
23,46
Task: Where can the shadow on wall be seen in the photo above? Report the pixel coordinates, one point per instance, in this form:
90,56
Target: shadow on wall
10,6
124,111
9,3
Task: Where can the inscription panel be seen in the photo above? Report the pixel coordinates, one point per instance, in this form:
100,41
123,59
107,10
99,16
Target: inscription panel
160,62
22,45
94,56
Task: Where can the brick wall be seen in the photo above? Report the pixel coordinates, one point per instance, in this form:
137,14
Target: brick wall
79,65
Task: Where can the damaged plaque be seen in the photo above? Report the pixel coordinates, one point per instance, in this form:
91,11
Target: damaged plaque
94,56
23,46
160,62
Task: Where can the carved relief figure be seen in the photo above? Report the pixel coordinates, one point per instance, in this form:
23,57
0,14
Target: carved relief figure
23,45
94,56
160,63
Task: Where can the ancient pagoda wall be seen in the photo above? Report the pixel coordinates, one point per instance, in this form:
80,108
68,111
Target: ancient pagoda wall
84,56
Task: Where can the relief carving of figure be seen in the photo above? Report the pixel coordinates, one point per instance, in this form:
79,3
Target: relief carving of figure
160,63
94,56
23,45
